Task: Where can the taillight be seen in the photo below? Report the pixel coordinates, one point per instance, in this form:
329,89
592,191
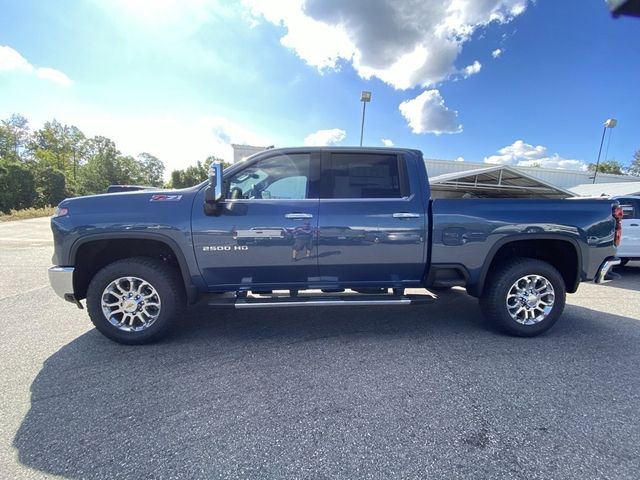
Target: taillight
618,214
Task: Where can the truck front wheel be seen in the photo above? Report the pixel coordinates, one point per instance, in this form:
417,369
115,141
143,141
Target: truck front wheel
524,296
135,300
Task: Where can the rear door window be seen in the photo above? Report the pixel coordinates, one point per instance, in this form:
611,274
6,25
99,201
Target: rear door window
629,207
363,175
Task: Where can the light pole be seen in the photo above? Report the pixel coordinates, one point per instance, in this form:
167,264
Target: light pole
610,123
365,97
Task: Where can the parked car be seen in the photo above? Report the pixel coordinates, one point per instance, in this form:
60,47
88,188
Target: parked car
629,248
139,257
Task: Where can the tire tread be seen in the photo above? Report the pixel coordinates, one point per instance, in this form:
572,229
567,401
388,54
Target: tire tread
160,273
501,279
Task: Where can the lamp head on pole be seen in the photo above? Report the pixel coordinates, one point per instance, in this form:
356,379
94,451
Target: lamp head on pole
610,123
366,97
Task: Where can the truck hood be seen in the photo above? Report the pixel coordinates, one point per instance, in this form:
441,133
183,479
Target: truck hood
127,201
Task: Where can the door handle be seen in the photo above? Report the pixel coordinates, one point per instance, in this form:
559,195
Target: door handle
633,225
406,215
298,216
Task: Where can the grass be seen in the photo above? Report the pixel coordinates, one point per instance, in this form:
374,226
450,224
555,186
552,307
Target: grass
26,213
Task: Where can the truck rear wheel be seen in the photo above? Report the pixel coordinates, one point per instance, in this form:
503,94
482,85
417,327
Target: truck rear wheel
524,297
135,300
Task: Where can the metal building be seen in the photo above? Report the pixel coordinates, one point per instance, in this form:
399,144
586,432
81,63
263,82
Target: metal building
498,181
608,189
240,152
554,176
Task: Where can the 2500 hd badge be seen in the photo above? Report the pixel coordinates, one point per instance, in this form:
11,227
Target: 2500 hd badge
224,248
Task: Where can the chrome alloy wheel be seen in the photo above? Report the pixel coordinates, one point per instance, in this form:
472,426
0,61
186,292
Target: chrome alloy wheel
530,299
130,304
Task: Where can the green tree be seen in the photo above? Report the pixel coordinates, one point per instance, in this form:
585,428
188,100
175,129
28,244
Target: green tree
194,174
129,171
61,147
18,189
210,159
106,166
608,166
78,144
152,169
102,168
190,176
14,136
634,169
50,185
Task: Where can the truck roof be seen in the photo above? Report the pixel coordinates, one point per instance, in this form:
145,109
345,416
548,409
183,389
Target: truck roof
340,149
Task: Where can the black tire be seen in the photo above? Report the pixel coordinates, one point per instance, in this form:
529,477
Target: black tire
494,297
164,279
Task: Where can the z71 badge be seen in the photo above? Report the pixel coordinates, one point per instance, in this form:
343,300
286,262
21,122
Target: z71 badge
165,198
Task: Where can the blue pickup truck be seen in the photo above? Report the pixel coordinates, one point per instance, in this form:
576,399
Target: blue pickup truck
307,227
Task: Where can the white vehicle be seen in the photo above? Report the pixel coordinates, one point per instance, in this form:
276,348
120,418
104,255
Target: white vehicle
629,248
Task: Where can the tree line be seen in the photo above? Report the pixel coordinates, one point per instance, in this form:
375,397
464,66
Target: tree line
616,168
42,167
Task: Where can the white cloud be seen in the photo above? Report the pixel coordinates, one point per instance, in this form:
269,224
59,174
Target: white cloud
460,159
12,61
404,43
325,137
472,69
54,75
317,43
496,53
526,155
387,142
427,113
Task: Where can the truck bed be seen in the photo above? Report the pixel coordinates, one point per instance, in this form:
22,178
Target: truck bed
467,233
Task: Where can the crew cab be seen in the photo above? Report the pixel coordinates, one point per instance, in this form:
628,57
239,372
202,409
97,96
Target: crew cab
307,227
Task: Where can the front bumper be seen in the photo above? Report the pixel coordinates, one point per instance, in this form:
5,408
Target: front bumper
604,269
61,280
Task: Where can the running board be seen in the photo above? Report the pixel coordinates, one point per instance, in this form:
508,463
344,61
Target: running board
321,301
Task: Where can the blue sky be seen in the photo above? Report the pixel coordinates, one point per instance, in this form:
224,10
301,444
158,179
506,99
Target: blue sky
502,81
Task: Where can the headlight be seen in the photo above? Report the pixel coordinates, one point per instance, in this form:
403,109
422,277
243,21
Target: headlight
60,212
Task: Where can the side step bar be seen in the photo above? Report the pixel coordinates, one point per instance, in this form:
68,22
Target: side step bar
321,301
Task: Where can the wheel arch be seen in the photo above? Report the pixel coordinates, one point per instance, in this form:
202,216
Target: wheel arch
561,252
91,253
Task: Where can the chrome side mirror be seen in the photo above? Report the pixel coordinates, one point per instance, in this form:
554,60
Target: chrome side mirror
213,192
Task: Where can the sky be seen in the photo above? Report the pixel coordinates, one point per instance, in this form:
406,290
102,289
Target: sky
516,82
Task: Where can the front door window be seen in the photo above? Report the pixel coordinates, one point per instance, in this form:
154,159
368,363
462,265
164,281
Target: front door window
283,177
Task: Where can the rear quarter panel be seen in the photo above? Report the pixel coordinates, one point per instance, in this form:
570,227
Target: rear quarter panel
470,231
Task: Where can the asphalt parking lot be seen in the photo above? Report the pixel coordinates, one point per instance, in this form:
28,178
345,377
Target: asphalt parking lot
419,392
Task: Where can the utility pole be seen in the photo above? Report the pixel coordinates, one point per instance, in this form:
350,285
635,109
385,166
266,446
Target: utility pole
610,123
365,97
